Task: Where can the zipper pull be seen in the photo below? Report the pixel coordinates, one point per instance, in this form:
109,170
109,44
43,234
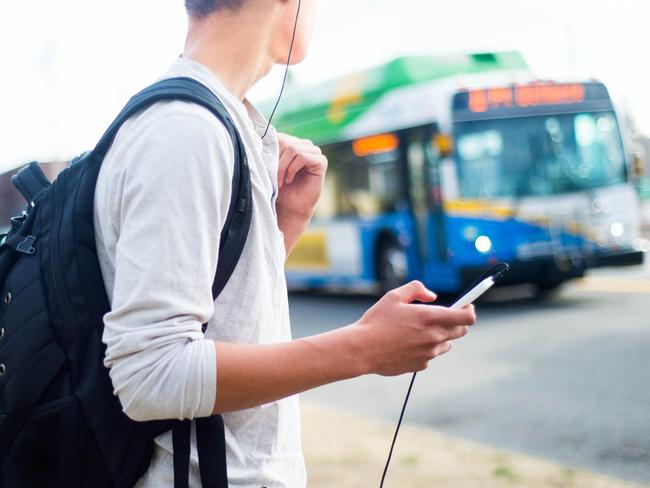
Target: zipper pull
21,244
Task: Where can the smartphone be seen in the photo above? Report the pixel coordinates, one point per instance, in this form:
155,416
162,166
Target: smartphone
483,284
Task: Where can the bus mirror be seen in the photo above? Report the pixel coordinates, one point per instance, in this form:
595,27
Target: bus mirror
444,144
638,165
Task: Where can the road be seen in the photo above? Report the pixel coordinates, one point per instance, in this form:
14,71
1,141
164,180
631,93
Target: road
567,379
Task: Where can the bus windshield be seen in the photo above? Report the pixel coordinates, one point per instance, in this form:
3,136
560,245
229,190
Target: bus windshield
539,155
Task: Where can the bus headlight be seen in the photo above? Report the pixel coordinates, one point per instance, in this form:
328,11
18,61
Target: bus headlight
483,244
617,229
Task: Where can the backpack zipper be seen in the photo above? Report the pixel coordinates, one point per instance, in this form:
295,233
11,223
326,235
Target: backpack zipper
57,279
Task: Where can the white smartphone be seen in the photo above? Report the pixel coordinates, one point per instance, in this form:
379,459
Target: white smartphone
493,275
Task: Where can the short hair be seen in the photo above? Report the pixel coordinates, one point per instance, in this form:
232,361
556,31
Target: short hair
203,8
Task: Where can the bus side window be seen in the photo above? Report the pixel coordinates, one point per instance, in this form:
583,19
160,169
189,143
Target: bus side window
356,186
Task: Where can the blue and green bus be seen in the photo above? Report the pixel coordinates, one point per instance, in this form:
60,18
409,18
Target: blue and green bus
442,166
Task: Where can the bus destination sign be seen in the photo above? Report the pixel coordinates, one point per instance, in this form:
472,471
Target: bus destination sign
525,96
530,99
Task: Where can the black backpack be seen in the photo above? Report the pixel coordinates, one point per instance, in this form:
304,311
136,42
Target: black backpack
60,423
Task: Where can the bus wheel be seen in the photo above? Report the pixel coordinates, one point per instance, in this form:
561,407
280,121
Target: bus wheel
392,266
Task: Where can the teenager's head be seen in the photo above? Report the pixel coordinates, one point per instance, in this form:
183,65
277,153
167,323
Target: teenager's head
278,16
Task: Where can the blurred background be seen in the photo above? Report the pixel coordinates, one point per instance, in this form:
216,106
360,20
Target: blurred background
56,53
459,134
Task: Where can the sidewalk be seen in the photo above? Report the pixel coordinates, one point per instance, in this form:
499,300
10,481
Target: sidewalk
346,451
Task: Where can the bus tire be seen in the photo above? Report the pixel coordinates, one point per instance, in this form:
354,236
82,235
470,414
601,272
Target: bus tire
392,266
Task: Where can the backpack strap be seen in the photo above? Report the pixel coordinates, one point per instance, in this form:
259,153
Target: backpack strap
30,181
238,219
211,441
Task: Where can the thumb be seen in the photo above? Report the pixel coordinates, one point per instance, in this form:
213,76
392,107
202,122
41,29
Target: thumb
413,291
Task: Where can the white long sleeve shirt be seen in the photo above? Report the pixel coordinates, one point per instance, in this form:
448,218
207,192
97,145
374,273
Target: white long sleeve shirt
161,200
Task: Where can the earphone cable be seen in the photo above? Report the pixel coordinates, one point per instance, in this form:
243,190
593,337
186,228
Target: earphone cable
286,71
399,424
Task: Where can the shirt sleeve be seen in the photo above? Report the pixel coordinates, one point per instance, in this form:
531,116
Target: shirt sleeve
175,179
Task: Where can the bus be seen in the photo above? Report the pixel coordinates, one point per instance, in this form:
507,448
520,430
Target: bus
442,166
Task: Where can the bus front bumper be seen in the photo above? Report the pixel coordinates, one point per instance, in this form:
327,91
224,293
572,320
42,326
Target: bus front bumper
549,271
545,271
620,258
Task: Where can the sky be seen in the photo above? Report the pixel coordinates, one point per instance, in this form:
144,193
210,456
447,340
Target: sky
68,66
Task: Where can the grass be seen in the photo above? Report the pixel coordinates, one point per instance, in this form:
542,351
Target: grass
348,451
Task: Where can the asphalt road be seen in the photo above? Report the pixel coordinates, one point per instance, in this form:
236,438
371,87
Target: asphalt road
567,379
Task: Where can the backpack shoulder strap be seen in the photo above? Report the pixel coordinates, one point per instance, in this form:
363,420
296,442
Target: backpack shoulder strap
237,224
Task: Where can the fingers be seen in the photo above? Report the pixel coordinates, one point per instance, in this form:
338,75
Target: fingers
286,158
296,154
441,349
446,334
446,317
315,164
411,292
439,335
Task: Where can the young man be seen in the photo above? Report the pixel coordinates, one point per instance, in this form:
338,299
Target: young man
161,200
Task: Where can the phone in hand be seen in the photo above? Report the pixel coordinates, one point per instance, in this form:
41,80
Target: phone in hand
483,284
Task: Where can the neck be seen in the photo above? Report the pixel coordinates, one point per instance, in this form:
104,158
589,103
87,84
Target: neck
233,46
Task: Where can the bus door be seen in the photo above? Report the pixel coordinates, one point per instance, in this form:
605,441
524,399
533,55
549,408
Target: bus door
426,199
